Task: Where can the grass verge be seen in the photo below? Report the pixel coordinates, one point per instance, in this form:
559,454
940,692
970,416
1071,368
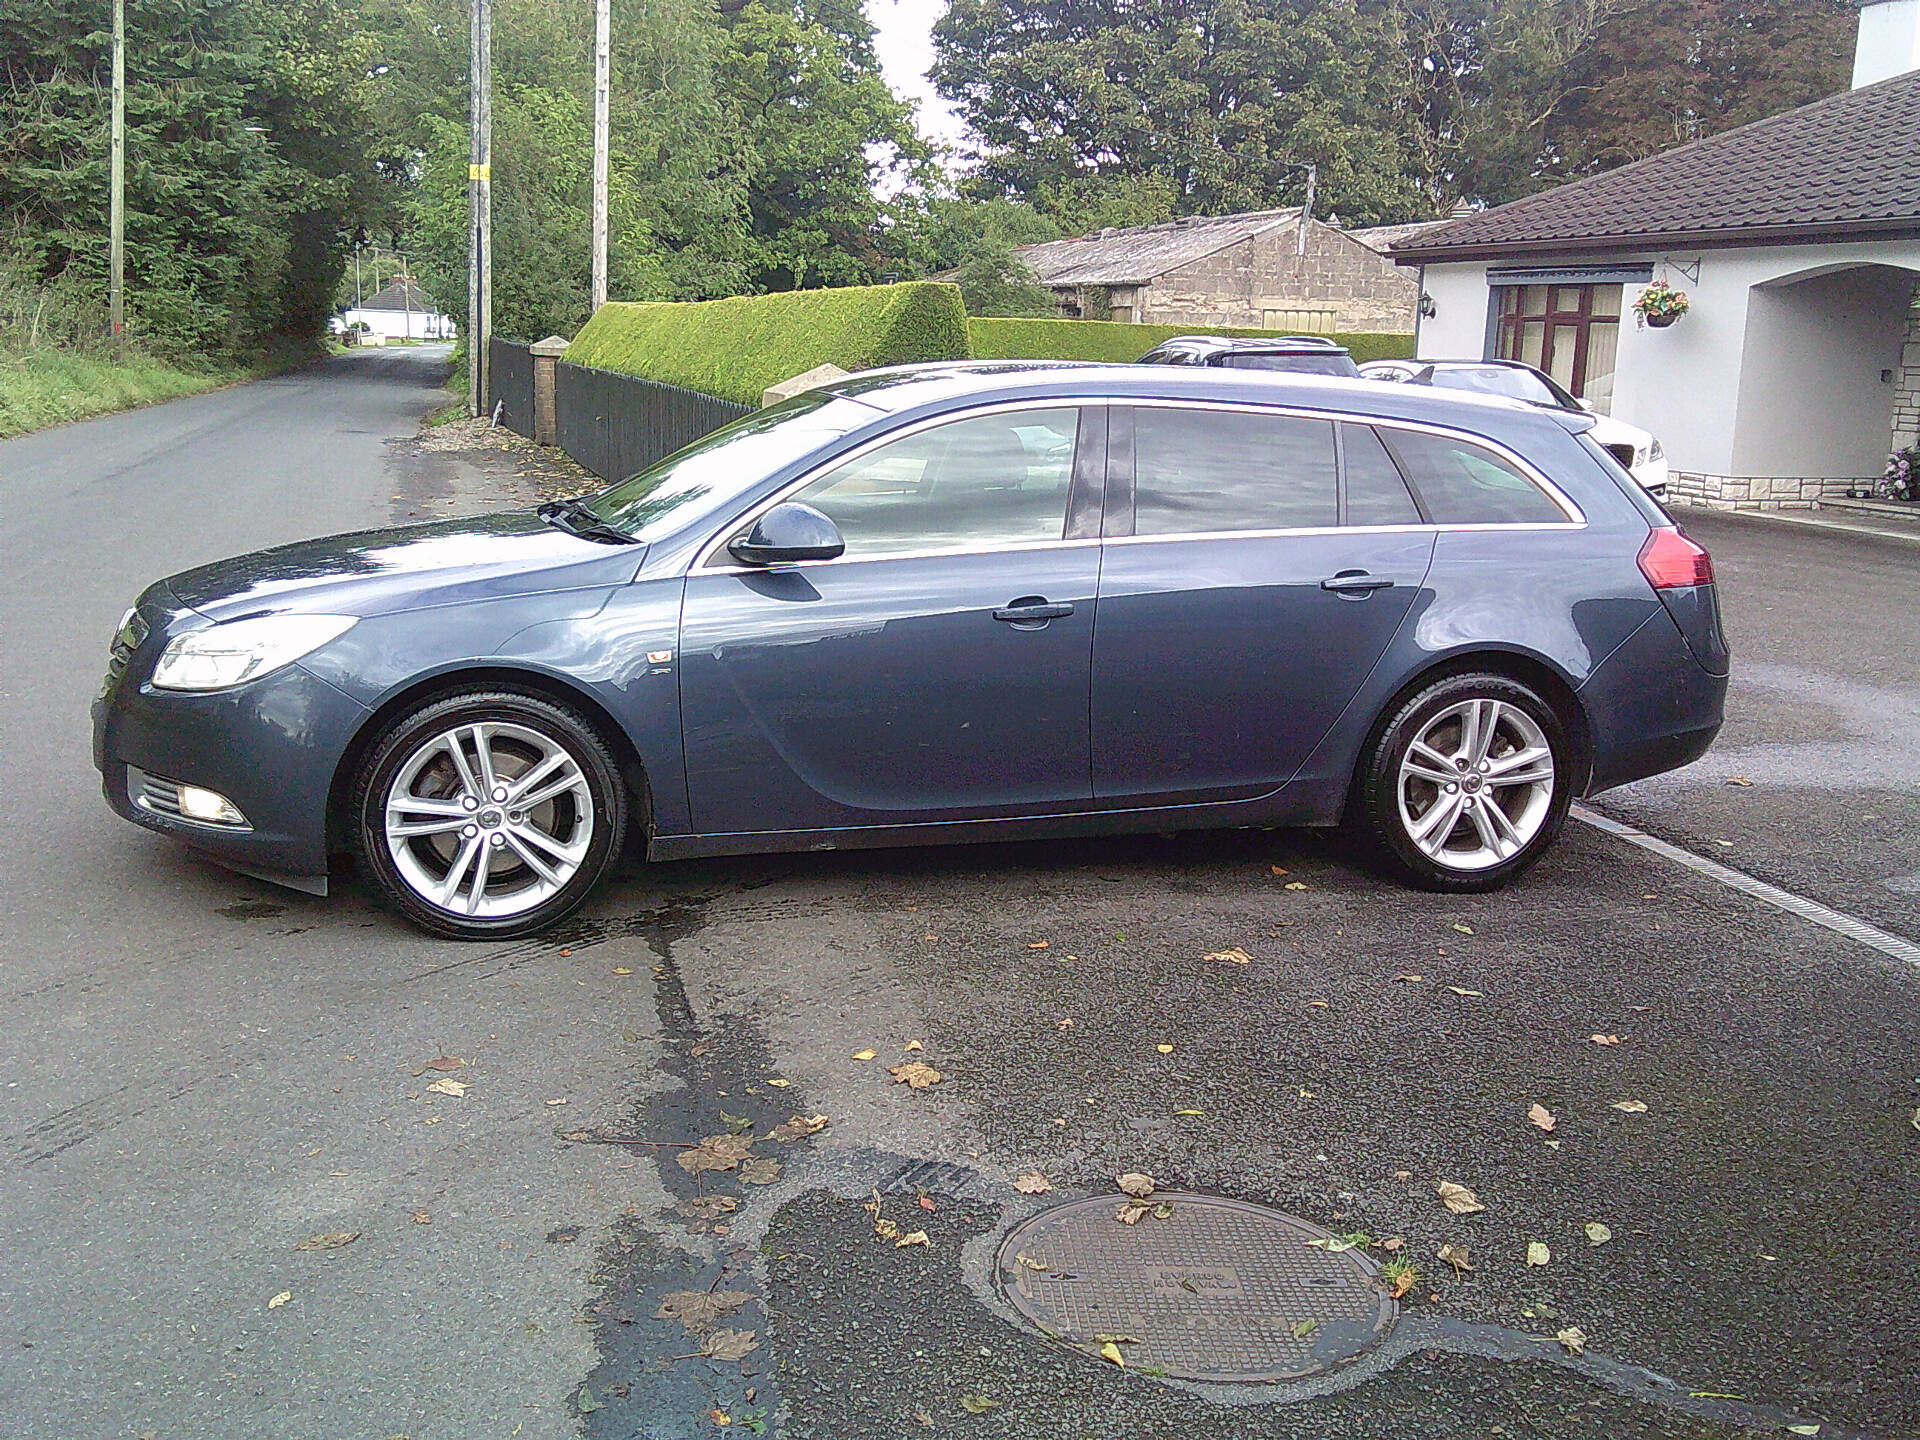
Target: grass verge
51,387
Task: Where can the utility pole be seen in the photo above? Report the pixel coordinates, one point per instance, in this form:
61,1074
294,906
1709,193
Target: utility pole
1306,208
602,88
356,274
480,206
117,185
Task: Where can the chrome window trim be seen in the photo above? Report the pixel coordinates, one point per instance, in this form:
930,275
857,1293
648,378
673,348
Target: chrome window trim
1576,518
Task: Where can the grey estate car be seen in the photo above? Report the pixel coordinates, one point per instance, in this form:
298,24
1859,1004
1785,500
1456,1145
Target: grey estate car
935,604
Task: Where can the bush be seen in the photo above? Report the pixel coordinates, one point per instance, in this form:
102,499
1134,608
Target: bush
736,348
1117,341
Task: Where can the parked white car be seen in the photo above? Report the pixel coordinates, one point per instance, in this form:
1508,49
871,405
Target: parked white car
1641,453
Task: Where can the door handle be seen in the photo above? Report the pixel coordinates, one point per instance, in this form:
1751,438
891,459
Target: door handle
1031,612
1355,582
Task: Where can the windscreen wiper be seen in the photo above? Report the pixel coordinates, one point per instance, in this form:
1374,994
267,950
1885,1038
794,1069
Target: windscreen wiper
577,518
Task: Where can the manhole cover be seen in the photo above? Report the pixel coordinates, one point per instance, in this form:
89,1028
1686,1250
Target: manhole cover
1218,1290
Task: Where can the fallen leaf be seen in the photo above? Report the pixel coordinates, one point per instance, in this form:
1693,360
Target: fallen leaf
730,1344
1402,1283
926,1204
448,1087
699,1047
331,1240
701,1310
863,1054
1458,1198
779,1084
1639,1107
1741,781
1459,991
1119,1339
759,1171
1803,1429
914,1074
798,1127
1598,1234
1456,1256
1604,1039
587,1403
1463,929
979,1404
1537,1253
1111,1352
282,1298
1135,1184
1541,1116
1235,956
912,1045
912,1237
885,1229
1031,1263
1189,1112
1032,1183
1066,1024
1408,979
440,1062
1318,1005
718,1416
1162,1209
560,1101
1132,1212
707,1207
1277,870
1038,945
1164,1049
622,970
716,1152
1334,1244
1295,885
1573,1339
1305,1328
421,1217
1393,1243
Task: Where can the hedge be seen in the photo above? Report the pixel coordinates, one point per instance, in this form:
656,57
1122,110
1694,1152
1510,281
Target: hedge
1112,340
737,347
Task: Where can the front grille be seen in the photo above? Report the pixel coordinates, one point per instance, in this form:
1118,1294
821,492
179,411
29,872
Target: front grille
1622,453
152,792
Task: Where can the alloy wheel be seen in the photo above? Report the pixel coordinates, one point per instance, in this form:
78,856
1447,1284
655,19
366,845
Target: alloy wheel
1476,784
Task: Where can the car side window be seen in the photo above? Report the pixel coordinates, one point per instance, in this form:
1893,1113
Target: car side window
999,479
1467,484
1376,495
1208,471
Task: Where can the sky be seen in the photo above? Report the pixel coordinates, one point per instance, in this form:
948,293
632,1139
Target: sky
903,40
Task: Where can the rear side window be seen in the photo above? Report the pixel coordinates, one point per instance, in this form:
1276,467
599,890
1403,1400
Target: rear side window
1466,484
1202,471
1376,495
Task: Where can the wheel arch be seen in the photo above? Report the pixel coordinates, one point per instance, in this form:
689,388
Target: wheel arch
537,684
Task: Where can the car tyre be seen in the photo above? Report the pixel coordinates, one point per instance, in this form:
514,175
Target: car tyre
488,815
1465,785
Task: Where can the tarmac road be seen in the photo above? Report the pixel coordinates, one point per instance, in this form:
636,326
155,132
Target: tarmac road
199,1072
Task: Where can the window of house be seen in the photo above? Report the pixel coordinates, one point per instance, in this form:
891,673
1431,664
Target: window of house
1570,331
1304,322
1206,471
998,479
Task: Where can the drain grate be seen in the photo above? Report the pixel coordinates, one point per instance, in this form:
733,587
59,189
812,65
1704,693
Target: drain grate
1218,1290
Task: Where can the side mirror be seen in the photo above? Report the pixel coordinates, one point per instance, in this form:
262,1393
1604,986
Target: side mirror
789,532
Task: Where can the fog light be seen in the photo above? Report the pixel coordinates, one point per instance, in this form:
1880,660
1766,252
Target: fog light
210,806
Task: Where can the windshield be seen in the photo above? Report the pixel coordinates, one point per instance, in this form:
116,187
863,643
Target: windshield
1514,383
726,463
1295,364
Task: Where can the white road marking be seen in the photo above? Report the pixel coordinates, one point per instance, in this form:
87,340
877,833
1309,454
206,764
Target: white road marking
1810,910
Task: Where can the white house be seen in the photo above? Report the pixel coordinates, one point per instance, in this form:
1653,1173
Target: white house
402,311
1797,239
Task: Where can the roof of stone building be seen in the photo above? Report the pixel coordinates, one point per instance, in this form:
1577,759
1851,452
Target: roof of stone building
1135,255
1844,167
1381,237
401,293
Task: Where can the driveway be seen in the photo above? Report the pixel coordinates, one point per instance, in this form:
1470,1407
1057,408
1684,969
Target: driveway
201,1073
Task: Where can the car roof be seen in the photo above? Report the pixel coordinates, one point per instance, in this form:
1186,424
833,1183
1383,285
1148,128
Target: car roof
948,385
1255,344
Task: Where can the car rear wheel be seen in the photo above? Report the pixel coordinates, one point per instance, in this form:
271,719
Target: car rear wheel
488,815
1467,784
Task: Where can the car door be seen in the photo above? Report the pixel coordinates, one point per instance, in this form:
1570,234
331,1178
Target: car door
939,669
1256,565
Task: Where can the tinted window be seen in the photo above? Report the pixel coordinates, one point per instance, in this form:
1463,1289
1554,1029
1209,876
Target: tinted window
1211,470
1464,484
996,479
1297,364
1376,495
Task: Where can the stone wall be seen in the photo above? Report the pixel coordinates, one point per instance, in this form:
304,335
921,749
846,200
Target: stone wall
1238,285
1754,492
1906,395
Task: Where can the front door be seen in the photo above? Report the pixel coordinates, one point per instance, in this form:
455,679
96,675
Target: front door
1256,578
938,671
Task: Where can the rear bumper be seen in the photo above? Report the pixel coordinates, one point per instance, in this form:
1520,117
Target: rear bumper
1651,706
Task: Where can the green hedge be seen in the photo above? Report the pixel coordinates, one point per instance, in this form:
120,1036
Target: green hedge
1013,339
735,348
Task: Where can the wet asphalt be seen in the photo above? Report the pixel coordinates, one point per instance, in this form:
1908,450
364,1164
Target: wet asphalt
199,1072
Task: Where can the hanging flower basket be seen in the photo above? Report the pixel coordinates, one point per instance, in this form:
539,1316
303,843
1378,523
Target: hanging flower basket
1660,304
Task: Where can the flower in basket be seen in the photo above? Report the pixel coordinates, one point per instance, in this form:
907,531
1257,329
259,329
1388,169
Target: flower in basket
1661,304
1902,478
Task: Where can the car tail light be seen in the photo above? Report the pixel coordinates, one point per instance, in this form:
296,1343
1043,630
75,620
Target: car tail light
1670,560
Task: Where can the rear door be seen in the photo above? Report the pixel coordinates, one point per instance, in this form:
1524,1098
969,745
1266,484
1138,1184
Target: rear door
1256,565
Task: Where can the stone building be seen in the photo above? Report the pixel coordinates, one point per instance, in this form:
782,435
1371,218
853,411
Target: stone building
1263,270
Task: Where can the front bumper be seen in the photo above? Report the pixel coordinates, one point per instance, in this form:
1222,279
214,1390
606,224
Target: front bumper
1652,475
271,746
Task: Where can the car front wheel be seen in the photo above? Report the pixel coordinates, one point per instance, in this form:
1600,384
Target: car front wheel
1467,784
488,815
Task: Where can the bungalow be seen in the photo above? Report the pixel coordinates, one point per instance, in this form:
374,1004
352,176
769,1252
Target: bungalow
1797,240
400,311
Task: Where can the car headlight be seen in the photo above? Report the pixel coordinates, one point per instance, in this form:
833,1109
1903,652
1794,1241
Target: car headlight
222,656
1654,452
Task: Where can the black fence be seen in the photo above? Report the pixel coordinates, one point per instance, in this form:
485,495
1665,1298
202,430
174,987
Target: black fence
616,425
510,384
